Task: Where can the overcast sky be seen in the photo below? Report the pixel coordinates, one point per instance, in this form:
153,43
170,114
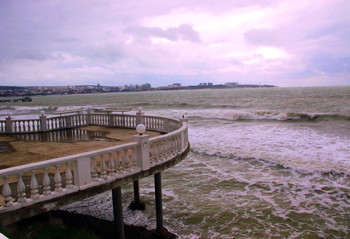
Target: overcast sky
279,42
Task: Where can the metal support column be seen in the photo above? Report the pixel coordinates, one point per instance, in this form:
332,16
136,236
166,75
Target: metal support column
136,192
137,204
118,213
159,206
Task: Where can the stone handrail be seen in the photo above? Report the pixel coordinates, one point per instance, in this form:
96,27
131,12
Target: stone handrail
44,124
29,184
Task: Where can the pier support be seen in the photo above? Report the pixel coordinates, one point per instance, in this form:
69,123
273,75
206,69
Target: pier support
137,204
118,213
159,202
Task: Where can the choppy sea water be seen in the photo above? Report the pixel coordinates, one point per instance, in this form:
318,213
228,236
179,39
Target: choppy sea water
269,163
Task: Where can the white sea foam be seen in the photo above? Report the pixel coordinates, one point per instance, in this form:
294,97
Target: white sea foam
302,148
242,114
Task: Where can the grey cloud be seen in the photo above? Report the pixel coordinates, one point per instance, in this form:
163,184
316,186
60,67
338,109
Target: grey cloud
329,64
183,32
267,37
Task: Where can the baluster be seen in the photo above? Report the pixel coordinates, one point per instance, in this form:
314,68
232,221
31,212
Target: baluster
94,174
6,193
124,160
111,165
34,187
151,153
170,146
161,149
103,168
167,148
167,145
129,158
175,145
119,162
21,189
156,152
134,159
46,183
69,176
58,179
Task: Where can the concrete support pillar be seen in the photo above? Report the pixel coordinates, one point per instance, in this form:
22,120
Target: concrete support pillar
136,191
8,125
118,213
43,125
159,202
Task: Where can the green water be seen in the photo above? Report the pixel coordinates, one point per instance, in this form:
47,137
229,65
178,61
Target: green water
271,163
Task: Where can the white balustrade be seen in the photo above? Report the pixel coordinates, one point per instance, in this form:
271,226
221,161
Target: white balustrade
46,180
2,126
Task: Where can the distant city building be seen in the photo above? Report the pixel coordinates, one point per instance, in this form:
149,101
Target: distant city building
83,89
231,84
174,85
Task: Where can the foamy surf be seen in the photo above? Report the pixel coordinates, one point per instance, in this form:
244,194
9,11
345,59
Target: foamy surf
264,163
301,149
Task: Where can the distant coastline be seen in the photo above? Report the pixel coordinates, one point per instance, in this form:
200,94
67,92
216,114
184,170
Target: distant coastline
21,91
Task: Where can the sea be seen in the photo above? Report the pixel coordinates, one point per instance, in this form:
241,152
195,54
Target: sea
264,162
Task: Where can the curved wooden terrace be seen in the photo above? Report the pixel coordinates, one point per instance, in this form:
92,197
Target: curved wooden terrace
32,189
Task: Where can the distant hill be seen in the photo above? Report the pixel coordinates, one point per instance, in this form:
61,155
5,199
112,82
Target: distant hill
11,87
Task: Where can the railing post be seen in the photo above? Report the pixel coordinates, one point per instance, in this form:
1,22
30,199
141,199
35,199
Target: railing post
166,125
88,117
82,171
111,120
139,116
69,121
8,125
142,151
43,125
